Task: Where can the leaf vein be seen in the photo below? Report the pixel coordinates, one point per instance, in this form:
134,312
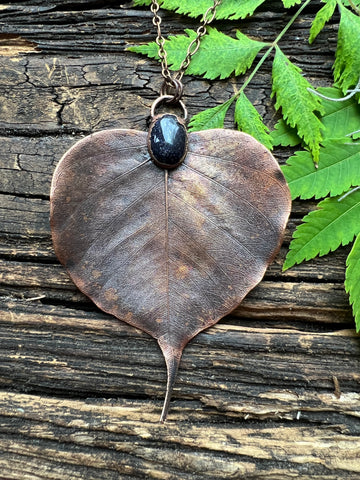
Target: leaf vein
254,207
215,224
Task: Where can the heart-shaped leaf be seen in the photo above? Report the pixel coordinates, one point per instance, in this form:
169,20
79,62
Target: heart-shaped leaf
169,252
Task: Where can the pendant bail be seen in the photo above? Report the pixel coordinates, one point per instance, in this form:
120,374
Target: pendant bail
168,99
174,89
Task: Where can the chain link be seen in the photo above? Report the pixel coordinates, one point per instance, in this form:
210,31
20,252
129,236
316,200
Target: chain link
160,41
174,82
194,46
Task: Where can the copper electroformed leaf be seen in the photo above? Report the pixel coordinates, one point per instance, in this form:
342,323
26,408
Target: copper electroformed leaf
168,251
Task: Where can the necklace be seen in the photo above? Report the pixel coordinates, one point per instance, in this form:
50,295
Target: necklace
171,154
168,230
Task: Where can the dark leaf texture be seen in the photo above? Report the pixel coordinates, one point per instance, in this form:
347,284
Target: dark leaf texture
169,252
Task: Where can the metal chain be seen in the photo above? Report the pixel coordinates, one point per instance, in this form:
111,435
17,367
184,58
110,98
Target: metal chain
160,41
194,46
174,82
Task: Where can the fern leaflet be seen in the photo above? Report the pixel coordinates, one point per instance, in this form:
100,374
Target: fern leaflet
298,105
290,3
352,280
232,55
211,117
284,135
322,16
338,170
335,223
249,121
228,9
347,62
340,118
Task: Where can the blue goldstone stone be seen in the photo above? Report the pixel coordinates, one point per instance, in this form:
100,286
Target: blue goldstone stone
167,141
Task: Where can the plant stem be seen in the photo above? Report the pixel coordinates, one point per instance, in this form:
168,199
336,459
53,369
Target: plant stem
350,94
354,7
272,46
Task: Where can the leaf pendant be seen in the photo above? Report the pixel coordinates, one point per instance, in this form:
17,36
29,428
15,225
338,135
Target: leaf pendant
169,251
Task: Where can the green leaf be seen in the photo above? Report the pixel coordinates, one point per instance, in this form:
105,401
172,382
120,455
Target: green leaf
322,16
340,118
284,135
211,117
347,62
218,56
290,3
338,170
352,280
221,55
176,48
228,9
333,224
140,3
298,105
250,121
347,3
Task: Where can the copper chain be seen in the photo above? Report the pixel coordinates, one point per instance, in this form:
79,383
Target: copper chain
174,82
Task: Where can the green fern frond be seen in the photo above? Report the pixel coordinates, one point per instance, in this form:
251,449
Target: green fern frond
141,3
232,55
352,280
211,117
250,121
322,16
228,9
340,118
291,3
335,223
176,47
352,4
338,170
347,62
298,105
284,135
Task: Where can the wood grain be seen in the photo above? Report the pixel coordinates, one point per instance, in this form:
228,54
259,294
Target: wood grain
271,392
56,437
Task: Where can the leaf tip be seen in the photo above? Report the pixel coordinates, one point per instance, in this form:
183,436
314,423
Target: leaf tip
172,358
285,268
288,263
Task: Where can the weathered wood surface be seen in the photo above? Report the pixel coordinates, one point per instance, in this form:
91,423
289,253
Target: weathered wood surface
271,392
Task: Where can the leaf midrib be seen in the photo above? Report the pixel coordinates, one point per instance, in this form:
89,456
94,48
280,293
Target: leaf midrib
325,169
